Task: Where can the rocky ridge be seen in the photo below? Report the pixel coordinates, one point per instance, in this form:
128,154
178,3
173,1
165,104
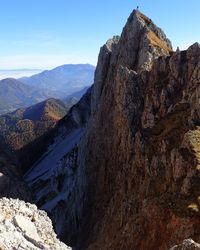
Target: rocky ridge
14,94
131,177
23,226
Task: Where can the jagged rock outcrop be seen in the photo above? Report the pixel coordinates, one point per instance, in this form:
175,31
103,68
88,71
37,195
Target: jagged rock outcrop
134,180
140,177
188,244
23,226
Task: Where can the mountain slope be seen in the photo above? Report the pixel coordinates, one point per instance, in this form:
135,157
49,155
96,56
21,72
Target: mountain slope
24,125
64,79
15,94
63,139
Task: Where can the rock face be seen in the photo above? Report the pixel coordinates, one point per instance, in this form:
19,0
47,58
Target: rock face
22,226
187,245
11,183
132,181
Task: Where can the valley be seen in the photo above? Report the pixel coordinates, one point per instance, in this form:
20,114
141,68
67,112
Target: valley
65,82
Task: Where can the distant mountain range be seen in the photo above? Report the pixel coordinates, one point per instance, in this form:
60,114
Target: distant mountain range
15,94
64,80
17,73
60,82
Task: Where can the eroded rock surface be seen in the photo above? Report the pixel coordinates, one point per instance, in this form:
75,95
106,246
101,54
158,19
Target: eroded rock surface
23,226
139,157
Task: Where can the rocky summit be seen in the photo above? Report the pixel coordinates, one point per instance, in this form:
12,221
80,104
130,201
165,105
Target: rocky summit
121,170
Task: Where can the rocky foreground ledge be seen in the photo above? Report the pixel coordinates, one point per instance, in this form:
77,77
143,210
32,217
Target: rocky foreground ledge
188,244
23,226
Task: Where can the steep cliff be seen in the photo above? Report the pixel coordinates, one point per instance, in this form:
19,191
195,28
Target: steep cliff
145,175
132,181
140,153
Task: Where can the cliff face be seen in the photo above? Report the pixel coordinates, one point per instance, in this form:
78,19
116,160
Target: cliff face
11,183
132,181
140,152
144,156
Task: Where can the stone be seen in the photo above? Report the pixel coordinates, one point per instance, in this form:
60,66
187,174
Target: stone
27,227
19,231
187,244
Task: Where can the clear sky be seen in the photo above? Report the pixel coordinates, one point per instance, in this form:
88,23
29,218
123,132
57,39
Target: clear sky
47,33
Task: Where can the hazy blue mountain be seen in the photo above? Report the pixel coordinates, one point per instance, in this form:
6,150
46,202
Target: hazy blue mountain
64,80
15,94
75,96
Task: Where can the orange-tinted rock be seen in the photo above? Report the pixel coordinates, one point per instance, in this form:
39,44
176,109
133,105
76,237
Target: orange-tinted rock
139,157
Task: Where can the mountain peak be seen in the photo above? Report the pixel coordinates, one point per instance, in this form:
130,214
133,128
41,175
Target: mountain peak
142,42
156,35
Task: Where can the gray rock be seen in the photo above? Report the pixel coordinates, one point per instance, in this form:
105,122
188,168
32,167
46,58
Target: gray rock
22,226
28,228
187,244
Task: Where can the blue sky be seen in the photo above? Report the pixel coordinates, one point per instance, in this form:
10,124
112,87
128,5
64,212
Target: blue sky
47,33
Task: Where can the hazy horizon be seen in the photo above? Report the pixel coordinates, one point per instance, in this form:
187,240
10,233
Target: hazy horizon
19,73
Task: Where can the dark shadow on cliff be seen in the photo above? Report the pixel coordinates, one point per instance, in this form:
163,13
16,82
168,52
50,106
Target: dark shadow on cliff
11,181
